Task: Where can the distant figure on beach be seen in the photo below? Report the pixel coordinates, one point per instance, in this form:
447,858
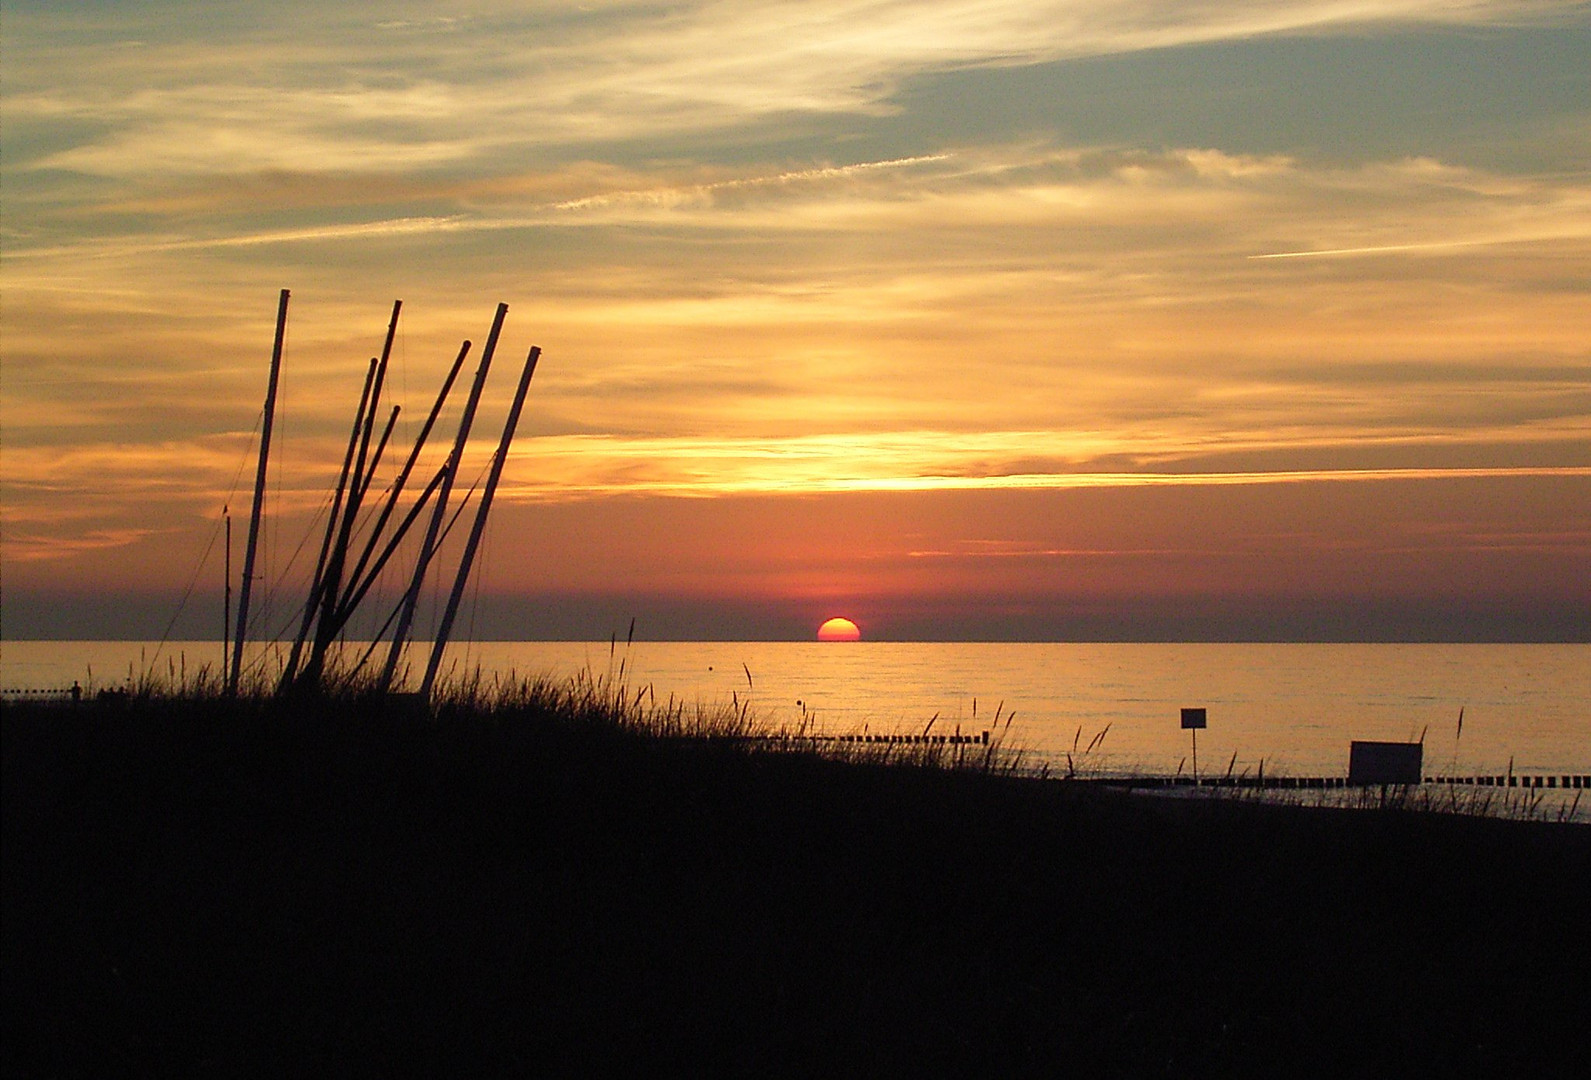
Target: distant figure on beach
76,692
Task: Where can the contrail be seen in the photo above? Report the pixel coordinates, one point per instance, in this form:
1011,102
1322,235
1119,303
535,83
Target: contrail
1386,249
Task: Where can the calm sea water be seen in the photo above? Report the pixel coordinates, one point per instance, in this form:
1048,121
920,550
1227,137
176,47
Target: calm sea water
1293,707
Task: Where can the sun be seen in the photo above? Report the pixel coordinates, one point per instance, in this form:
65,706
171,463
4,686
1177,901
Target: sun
839,630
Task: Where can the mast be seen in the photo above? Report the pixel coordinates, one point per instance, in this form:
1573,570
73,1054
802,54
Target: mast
479,527
428,548
358,481
226,592
331,531
356,595
356,590
259,496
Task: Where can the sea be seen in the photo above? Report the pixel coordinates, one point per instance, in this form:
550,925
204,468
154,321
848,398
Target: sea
1099,708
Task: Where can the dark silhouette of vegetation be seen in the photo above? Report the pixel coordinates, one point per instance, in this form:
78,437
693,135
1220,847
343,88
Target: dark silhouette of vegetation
538,878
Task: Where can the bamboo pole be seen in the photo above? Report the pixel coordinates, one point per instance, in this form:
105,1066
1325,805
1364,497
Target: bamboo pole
498,460
428,548
259,495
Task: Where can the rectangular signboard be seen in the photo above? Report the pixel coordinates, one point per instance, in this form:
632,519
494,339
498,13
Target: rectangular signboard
1384,762
1192,718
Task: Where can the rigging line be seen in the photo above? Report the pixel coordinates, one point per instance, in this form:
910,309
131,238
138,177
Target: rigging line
376,638
232,492
285,622
187,593
436,588
274,637
365,577
468,495
227,500
275,640
215,531
369,510
243,458
390,576
475,594
279,582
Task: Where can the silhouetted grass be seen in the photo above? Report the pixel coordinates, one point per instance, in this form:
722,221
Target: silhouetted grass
542,877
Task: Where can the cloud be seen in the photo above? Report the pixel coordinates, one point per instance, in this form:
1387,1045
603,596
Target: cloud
1207,197
1104,293
738,294
314,89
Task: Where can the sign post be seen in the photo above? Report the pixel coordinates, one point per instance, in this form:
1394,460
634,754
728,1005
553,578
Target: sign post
1384,763
1193,720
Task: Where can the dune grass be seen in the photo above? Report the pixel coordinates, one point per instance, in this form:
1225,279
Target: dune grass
573,877
605,700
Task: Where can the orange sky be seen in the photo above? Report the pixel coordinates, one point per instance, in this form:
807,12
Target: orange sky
965,320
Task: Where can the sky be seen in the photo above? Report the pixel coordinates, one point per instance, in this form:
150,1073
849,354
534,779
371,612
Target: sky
964,319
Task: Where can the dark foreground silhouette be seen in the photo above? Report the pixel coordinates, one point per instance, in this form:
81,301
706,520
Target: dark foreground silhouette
321,888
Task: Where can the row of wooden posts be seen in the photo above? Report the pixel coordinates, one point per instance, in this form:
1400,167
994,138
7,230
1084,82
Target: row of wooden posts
1577,781
971,739
340,583
1533,781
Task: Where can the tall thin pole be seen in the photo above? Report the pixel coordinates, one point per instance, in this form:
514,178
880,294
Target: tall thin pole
479,527
313,603
226,592
359,587
381,448
346,604
428,549
331,586
362,472
259,496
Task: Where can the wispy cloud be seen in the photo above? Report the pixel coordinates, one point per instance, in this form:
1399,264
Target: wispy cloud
342,95
748,278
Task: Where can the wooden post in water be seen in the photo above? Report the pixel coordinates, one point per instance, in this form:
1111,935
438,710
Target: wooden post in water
479,527
259,496
428,549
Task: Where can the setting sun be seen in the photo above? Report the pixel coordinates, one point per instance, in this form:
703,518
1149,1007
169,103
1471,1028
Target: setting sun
839,630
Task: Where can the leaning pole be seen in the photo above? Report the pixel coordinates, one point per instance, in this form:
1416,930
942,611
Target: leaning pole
446,628
259,497
411,598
